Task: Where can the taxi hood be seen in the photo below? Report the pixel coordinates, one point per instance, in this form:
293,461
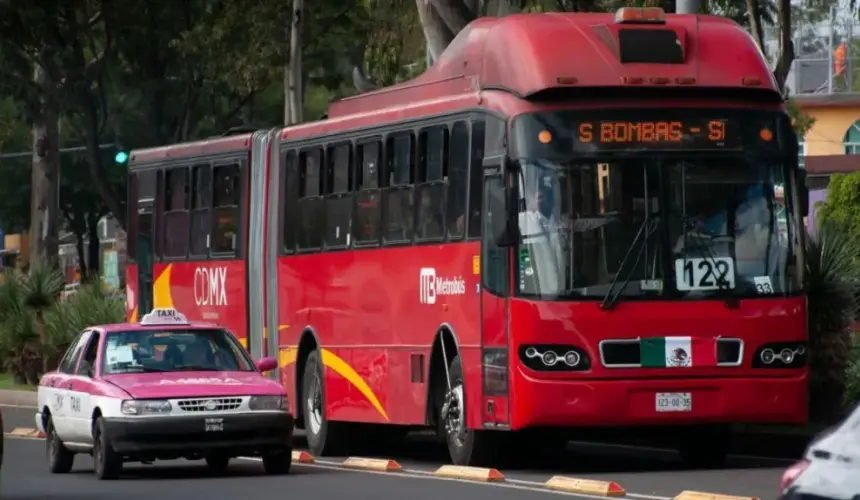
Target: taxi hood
194,384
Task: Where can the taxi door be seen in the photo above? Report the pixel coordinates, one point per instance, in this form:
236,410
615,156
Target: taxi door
60,384
80,386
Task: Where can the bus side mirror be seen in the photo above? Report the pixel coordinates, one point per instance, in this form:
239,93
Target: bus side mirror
803,193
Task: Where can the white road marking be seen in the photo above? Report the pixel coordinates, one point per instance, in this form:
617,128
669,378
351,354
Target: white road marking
517,484
24,407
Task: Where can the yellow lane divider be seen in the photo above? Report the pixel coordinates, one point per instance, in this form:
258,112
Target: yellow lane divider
585,486
372,464
469,473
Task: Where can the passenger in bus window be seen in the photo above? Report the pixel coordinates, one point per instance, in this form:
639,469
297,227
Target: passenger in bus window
430,212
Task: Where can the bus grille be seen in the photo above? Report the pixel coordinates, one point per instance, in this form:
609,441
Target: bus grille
216,404
624,353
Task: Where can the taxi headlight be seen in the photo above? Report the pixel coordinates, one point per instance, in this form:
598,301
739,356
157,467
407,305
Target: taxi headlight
270,403
145,407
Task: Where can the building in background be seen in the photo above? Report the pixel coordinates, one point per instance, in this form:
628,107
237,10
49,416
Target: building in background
825,84
112,258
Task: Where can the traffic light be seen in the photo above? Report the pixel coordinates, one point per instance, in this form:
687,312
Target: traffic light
121,157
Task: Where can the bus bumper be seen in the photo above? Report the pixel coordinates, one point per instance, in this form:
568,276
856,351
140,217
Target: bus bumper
633,402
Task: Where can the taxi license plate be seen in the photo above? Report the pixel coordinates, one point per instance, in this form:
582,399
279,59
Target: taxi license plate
674,401
214,424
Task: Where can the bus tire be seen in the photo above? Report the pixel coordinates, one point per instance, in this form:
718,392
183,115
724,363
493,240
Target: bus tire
322,435
465,446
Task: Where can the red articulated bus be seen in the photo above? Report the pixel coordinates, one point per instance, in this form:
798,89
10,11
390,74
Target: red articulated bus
569,221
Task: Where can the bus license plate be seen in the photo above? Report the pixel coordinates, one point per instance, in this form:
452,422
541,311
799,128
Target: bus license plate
674,401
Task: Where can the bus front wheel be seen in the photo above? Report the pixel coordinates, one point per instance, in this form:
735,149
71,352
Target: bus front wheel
466,446
322,435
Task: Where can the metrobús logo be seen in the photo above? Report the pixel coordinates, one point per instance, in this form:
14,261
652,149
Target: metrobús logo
430,286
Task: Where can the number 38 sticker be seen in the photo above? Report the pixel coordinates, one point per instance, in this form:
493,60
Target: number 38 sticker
704,274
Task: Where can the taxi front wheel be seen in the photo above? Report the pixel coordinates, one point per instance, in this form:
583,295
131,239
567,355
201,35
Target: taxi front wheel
106,462
60,459
279,462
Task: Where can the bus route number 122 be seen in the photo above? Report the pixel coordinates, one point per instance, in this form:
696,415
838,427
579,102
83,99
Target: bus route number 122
697,274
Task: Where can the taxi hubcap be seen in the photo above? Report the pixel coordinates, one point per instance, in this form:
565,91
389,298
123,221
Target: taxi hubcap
314,405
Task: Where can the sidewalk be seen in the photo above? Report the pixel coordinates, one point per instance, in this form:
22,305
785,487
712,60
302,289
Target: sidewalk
17,398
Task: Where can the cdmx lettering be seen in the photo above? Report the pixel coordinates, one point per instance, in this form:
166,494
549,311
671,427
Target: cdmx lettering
210,286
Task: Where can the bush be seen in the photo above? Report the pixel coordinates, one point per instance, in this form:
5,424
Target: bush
852,376
832,277
89,306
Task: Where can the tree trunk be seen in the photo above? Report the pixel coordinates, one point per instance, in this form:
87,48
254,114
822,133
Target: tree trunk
82,255
295,74
288,114
44,209
93,248
786,46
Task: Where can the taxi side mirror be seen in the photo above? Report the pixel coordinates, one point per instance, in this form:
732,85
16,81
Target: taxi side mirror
267,364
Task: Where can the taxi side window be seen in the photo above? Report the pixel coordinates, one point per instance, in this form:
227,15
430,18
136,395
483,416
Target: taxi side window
88,363
70,361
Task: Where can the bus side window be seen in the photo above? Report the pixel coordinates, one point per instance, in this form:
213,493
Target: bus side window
398,193
338,199
458,179
476,178
201,213
176,201
311,203
432,184
290,215
368,209
225,200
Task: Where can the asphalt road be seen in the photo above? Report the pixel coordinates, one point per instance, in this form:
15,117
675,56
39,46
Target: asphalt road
645,473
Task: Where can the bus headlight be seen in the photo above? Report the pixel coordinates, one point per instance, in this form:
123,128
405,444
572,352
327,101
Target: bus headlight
554,358
780,355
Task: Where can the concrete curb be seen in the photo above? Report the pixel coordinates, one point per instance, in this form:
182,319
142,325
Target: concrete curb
26,399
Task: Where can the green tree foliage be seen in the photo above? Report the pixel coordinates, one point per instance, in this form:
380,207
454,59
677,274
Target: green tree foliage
832,274
842,205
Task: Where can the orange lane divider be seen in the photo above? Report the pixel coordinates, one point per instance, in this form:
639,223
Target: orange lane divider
469,473
372,464
303,457
586,486
27,432
700,495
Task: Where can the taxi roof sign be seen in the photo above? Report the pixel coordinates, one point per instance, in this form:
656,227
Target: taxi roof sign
164,316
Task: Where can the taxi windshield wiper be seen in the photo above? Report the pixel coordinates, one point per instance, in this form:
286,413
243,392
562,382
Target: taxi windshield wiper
648,227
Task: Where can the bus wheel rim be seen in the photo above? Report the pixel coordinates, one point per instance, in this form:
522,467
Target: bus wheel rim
455,416
314,405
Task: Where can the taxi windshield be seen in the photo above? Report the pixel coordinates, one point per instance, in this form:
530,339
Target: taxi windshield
176,350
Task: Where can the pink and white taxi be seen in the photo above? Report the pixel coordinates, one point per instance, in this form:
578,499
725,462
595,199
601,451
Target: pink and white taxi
159,390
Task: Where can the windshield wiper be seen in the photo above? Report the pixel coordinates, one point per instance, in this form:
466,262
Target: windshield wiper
197,368
648,227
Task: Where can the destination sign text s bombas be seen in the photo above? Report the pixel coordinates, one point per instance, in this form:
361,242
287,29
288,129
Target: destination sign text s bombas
696,134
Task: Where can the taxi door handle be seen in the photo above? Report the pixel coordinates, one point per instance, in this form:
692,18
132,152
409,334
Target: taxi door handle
70,385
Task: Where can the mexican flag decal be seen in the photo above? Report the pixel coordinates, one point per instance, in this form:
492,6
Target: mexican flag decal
678,352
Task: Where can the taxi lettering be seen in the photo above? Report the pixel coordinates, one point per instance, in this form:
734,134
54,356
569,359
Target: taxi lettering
210,286
213,380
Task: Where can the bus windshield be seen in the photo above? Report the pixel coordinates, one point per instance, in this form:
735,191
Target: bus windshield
654,225
714,227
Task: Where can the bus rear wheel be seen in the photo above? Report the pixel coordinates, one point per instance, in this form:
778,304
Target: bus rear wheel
465,446
323,436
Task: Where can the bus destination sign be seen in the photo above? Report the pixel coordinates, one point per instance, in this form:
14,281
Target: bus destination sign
690,133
